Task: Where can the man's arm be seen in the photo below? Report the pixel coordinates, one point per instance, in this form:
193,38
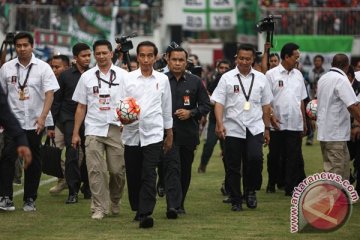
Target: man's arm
219,111
79,118
304,117
40,121
266,118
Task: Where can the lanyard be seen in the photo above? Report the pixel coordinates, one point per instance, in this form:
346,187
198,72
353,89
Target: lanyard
26,78
334,70
247,96
112,74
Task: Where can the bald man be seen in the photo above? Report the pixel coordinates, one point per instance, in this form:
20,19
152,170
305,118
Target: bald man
336,101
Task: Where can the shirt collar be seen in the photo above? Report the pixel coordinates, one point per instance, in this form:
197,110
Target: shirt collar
139,74
238,72
338,69
33,60
111,68
282,69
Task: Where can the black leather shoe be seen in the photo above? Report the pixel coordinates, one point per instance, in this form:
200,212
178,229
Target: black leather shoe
180,210
270,189
72,199
171,213
236,208
223,190
251,201
160,190
227,200
86,191
137,217
146,222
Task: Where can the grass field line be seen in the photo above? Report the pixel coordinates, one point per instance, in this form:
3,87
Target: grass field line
44,182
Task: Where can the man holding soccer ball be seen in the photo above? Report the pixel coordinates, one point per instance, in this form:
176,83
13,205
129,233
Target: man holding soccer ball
144,139
96,96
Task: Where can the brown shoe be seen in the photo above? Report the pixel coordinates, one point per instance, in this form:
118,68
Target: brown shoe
59,187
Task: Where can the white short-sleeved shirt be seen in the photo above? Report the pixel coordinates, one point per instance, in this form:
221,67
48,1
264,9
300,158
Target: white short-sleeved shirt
229,94
89,91
41,80
288,89
334,95
153,94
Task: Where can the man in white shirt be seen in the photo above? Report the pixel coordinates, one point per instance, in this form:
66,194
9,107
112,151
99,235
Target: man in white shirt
242,112
96,94
30,85
288,87
336,99
143,139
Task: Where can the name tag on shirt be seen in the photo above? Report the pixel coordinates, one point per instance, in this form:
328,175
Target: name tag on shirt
13,80
104,100
236,89
186,100
281,83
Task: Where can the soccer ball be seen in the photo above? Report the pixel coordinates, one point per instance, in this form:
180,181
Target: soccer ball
311,109
127,110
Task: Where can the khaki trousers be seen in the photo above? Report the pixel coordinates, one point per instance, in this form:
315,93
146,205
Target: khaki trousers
336,158
106,169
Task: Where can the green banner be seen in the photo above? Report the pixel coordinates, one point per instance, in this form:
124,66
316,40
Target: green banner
316,43
247,16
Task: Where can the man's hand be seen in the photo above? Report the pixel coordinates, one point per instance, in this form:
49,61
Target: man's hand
51,133
304,132
355,134
183,114
76,140
25,153
267,137
275,122
220,131
168,142
40,124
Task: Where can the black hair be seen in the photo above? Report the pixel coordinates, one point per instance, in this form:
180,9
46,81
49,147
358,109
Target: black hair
65,59
288,50
177,49
223,61
275,55
319,56
340,61
147,44
22,35
102,42
77,48
247,47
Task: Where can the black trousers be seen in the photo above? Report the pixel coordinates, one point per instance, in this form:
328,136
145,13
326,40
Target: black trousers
172,174
286,146
141,164
73,173
246,155
276,160
186,159
7,166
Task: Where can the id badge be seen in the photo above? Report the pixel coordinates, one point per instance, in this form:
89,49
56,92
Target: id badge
186,100
24,94
104,100
247,106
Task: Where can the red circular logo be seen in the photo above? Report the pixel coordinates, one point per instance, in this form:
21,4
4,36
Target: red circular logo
325,206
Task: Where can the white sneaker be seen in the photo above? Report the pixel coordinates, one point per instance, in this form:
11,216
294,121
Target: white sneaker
29,205
59,187
6,204
98,215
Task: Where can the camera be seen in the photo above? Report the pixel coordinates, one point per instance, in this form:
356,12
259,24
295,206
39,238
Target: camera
9,38
126,44
267,24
